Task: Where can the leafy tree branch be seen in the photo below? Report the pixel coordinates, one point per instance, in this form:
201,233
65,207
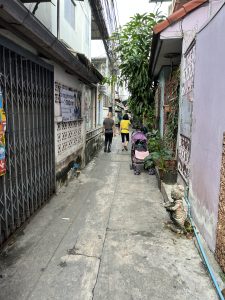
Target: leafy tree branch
133,42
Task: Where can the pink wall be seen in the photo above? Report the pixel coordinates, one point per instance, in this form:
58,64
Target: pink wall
208,126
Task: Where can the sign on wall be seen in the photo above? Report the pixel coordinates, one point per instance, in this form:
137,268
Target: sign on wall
2,137
70,104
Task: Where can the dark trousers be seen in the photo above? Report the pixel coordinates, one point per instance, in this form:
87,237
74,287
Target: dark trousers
108,139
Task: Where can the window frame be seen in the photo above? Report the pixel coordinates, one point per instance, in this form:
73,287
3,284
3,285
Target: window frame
70,13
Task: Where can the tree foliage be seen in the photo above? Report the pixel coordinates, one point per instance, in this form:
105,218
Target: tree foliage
133,50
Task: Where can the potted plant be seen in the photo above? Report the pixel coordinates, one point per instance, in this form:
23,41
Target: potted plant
161,158
165,164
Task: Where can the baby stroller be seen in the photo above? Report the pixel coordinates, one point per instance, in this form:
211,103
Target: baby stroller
139,151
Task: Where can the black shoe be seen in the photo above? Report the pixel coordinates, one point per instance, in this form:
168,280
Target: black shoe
105,150
109,150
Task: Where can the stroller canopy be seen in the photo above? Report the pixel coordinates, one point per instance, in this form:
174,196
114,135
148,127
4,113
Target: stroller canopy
138,136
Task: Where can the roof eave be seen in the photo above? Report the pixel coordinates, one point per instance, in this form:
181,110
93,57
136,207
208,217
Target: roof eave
19,20
173,18
178,15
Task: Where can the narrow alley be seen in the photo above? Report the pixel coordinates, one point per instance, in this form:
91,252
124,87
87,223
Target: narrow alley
103,237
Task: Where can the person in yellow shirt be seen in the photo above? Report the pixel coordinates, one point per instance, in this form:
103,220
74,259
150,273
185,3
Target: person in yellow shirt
124,130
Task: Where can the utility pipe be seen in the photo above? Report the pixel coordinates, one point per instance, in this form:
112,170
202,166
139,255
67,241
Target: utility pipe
205,259
58,19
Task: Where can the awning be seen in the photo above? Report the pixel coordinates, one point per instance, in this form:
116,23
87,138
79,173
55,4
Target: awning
164,52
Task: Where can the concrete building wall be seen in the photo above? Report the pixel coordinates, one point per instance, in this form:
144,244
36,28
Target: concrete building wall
208,126
69,136
187,29
88,108
74,27
47,14
18,41
188,26
79,36
105,91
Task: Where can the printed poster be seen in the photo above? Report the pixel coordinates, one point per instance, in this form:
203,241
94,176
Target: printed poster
70,105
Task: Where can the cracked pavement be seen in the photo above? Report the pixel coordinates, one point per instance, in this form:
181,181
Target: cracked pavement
103,237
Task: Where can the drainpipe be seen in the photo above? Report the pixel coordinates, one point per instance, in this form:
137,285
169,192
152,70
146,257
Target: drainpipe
58,19
204,257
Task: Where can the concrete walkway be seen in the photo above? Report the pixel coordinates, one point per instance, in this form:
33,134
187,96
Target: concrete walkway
103,237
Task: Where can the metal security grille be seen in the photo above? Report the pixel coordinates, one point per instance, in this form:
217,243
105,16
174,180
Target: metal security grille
28,90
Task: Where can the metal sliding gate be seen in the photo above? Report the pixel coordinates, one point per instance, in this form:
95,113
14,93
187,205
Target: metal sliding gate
27,85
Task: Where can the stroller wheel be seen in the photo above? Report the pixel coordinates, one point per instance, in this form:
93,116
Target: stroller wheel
131,167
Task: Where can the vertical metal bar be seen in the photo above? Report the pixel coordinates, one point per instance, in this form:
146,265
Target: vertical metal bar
48,133
51,150
12,96
19,139
24,120
45,112
41,115
34,144
58,19
37,150
41,135
10,126
52,130
7,232
28,149
31,145
49,125
44,145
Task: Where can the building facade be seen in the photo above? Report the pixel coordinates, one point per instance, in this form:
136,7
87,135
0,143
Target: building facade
48,104
190,40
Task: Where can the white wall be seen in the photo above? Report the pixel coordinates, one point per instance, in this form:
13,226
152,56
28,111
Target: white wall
89,97
69,80
78,37
47,14
66,131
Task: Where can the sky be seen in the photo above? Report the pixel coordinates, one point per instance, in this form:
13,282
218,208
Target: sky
126,9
